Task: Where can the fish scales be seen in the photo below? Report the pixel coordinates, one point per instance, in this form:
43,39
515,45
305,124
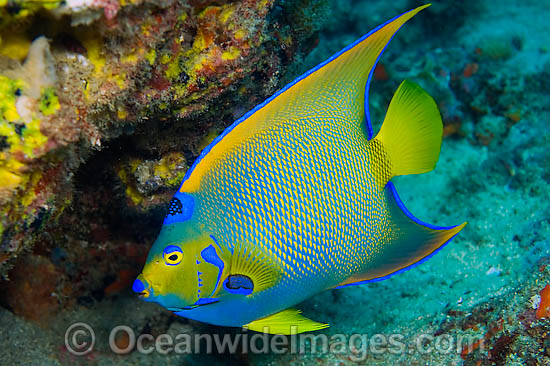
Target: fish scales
296,197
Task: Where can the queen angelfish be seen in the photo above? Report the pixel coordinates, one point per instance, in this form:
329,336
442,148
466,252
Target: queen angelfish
295,198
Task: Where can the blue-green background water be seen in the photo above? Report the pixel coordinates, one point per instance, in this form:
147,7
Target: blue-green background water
493,172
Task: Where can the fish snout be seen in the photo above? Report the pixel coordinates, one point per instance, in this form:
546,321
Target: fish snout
142,287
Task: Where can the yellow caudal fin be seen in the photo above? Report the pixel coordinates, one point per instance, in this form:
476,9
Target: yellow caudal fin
412,131
285,322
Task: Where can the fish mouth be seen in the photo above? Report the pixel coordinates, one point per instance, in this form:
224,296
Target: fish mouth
190,307
142,287
194,306
144,294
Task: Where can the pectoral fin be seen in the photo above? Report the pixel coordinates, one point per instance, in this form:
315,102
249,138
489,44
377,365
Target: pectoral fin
250,271
285,322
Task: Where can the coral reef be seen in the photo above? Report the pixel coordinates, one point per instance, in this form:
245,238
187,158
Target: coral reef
81,78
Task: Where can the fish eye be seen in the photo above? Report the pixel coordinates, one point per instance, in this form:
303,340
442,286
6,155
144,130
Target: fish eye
172,255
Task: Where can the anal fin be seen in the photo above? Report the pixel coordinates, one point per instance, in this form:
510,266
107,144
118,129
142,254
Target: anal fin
285,322
412,242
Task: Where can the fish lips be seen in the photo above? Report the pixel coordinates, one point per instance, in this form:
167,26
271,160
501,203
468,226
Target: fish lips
198,303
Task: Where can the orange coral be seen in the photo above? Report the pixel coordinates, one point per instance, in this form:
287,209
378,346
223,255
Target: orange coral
543,311
451,129
470,70
514,116
31,293
480,343
380,72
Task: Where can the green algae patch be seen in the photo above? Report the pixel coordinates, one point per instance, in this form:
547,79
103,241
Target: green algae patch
32,138
9,89
111,72
10,177
151,56
16,11
18,135
171,169
125,173
145,181
15,46
49,103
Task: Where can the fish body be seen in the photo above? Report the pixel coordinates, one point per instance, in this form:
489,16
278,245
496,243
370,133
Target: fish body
295,198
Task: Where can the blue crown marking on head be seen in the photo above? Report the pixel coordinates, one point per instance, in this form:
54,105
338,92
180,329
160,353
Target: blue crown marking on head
180,209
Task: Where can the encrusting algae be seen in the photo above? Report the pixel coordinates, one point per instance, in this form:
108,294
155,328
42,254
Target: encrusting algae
97,77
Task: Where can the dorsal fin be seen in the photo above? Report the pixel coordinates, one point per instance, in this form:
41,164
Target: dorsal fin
334,89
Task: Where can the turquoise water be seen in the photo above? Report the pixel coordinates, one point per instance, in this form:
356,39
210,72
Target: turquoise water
488,68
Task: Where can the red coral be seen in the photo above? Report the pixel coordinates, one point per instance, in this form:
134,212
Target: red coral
32,288
380,72
543,311
470,69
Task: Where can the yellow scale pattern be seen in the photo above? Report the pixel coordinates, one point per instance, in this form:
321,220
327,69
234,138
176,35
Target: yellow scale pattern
307,194
299,180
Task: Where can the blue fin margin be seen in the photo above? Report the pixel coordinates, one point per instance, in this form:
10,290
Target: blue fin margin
400,204
368,124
